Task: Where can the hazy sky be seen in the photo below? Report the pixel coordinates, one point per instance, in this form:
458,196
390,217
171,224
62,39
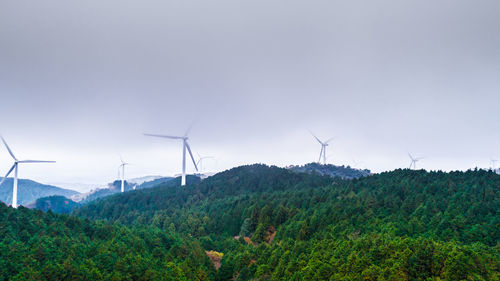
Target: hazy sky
80,81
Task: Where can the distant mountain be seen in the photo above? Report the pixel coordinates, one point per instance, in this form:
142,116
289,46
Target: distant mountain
144,179
115,187
28,191
153,183
61,204
344,172
78,186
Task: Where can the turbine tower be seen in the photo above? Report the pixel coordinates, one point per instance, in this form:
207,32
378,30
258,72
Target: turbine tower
322,153
15,168
185,145
122,167
414,161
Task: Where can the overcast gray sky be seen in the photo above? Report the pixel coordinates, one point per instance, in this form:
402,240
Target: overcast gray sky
80,81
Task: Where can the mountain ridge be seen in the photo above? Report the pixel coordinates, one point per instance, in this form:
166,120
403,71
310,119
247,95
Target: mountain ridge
29,191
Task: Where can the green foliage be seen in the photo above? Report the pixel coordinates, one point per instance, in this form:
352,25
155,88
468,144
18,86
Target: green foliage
57,204
44,246
400,225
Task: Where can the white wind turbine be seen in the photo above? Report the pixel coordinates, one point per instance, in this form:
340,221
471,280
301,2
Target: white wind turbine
122,167
15,167
322,154
200,160
493,163
414,161
185,145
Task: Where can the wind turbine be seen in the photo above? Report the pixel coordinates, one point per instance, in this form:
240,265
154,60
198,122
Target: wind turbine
493,163
185,145
414,161
15,168
122,166
200,160
322,154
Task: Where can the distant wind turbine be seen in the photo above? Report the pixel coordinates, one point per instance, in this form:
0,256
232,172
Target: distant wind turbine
122,167
185,145
15,168
322,153
199,163
414,161
358,164
493,163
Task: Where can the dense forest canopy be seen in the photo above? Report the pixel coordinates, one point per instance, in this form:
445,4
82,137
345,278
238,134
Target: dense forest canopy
399,225
45,246
266,223
56,204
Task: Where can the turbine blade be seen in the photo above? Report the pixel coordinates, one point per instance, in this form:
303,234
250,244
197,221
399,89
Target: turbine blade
188,130
329,140
8,148
36,161
316,138
411,157
191,154
164,136
8,173
321,153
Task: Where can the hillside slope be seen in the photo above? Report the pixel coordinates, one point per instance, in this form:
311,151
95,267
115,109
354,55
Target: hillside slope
28,191
35,245
240,182
400,225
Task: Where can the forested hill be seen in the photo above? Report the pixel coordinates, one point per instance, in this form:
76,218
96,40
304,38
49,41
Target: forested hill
35,245
457,205
399,225
57,204
240,182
